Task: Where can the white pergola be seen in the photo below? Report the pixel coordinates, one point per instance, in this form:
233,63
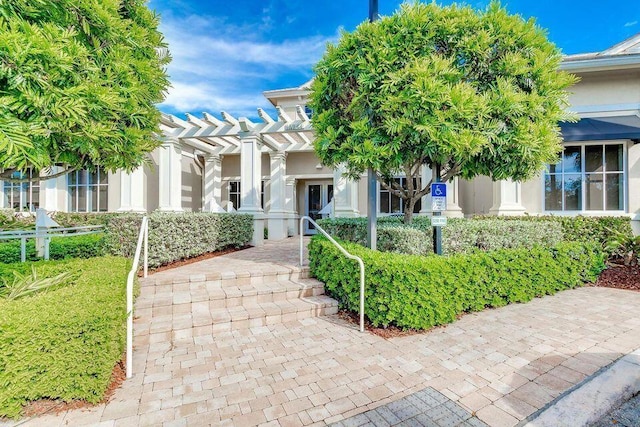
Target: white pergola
214,138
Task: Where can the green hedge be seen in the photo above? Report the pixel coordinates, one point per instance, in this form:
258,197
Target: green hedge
9,221
63,344
418,292
175,236
84,246
580,228
459,236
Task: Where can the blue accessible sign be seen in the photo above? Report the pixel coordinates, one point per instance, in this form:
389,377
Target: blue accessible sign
439,189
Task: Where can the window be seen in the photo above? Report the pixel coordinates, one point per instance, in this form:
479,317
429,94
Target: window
22,196
308,111
88,191
235,196
234,193
588,177
393,204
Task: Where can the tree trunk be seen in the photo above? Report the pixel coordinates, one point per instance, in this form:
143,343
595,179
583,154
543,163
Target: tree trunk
408,210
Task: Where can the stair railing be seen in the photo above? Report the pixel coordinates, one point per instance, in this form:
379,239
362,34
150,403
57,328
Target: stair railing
344,251
143,235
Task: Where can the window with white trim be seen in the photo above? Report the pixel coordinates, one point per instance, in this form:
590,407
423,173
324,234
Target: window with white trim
235,195
88,191
22,196
589,177
392,204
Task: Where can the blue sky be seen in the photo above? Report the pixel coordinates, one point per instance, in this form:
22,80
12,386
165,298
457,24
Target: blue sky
226,53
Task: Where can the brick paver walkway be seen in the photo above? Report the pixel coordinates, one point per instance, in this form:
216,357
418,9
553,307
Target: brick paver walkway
500,365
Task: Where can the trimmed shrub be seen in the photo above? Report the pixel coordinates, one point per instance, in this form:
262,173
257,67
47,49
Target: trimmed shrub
9,221
580,228
84,246
63,343
464,236
459,236
418,292
175,236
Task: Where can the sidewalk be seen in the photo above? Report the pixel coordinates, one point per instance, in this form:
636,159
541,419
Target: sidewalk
496,367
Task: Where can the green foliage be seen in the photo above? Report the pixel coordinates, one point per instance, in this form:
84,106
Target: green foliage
79,83
24,285
63,344
178,236
464,236
459,236
477,92
9,221
580,228
623,245
84,246
415,292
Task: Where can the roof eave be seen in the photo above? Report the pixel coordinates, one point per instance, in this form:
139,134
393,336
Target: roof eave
602,63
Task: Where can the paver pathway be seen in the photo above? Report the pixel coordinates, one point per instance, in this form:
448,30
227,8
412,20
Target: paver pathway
500,365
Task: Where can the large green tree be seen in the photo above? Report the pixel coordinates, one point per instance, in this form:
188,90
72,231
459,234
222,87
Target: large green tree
79,81
475,92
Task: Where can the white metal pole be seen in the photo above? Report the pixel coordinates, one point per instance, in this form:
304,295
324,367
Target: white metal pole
301,238
146,245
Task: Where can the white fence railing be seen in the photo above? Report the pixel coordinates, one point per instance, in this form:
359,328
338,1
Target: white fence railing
344,251
46,234
143,237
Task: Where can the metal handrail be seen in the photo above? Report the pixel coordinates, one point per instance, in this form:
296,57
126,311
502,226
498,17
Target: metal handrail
51,232
46,234
344,251
142,235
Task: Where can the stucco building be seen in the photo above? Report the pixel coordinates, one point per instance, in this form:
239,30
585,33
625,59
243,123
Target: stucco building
269,169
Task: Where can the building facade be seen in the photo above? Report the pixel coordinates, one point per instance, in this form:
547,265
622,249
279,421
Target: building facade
269,169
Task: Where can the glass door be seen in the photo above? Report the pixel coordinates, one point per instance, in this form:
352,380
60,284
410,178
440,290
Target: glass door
317,196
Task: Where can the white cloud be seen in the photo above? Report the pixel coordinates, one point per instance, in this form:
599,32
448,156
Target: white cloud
198,97
218,66
630,24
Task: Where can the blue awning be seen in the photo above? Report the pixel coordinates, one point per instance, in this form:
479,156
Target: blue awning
602,128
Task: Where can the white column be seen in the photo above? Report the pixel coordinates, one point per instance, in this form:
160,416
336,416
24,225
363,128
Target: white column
425,178
132,191
345,195
250,184
453,194
55,191
170,177
277,211
290,206
212,179
507,198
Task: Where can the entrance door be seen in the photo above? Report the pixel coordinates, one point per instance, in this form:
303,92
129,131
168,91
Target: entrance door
317,195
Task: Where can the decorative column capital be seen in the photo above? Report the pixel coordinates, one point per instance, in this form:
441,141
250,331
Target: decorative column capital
251,138
170,142
278,155
291,181
213,158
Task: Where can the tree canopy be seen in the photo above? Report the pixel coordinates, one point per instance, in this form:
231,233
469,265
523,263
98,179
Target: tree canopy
79,80
476,92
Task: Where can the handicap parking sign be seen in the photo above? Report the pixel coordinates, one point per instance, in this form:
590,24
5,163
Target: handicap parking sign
439,189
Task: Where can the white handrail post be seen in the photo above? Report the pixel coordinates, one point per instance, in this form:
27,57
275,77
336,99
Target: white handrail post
146,246
23,249
130,277
301,238
347,254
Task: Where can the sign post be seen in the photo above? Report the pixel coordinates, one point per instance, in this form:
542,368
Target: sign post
372,185
438,205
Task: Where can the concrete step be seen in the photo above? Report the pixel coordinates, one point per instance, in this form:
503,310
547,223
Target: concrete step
276,273
269,313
